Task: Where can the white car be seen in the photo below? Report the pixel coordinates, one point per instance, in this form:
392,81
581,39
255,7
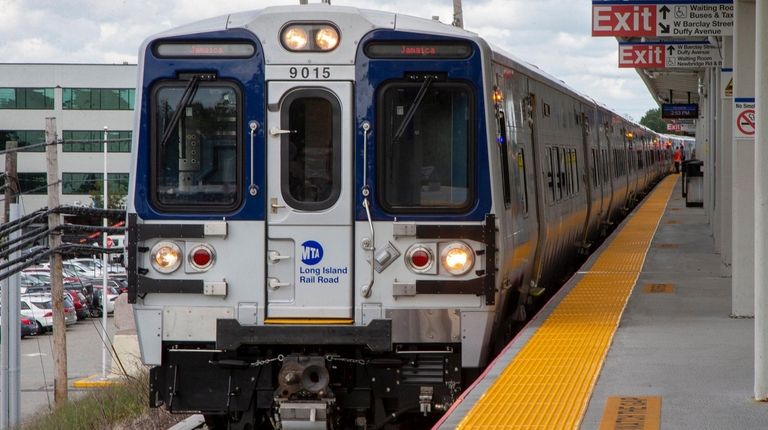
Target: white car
40,308
94,265
111,297
77,270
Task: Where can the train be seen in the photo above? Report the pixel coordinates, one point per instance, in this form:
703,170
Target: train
337,216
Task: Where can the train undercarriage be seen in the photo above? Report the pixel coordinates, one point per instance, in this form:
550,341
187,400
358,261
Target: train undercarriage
371,385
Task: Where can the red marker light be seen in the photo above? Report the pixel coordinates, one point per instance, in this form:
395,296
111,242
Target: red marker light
201,257
420,259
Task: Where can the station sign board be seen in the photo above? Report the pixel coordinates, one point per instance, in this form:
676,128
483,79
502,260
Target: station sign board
679,111
656,18
681,127
661,55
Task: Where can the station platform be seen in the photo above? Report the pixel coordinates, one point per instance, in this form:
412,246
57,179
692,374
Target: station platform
640,338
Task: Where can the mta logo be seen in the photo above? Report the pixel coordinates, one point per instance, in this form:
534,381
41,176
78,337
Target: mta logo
311,252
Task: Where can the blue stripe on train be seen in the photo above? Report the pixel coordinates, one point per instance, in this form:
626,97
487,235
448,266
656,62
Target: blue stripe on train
249,74
370,74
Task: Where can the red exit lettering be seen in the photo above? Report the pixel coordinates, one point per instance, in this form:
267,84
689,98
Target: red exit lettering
616,20
642,56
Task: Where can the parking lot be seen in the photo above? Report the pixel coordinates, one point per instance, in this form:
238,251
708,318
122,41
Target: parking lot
84,352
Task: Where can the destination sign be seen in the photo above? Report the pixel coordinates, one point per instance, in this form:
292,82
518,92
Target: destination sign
669,55
205,50
662,19
679,111
409,49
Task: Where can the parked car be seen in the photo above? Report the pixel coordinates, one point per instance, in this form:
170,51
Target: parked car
95,265
27,280
82,309
28,327
71,281
122,283
111,283
77,270
97,303
40,308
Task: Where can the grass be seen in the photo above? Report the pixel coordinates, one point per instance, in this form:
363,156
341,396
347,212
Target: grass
123,406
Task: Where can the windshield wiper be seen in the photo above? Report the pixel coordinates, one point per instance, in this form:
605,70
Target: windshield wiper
186,98
415,105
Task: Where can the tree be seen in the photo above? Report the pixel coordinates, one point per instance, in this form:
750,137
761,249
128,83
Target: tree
116,196
652,119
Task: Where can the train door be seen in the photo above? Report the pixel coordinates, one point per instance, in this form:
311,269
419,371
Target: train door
309,214
586,131
608,186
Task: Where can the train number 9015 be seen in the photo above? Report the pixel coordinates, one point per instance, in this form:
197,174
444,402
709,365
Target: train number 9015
309,72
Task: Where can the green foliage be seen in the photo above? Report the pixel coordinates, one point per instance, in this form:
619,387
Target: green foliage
652,119
123,405
100,409
116,196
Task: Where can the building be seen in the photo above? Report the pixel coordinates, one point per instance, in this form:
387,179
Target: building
84,98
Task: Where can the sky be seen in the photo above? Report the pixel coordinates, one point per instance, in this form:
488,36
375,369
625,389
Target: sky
554,35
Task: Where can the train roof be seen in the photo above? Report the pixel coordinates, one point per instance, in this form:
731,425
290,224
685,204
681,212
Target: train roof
274,17
376,19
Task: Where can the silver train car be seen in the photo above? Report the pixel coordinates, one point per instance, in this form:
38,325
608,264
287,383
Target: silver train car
337,216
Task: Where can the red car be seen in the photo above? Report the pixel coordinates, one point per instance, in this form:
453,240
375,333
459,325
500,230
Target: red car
81,306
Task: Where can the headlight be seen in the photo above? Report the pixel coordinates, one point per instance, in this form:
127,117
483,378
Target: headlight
317,37
326,38
295,38
166,257
457,258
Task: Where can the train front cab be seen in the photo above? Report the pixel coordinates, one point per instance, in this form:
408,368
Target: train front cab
311,243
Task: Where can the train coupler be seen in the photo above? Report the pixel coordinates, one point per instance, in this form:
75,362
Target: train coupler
303,398
425,400
304,414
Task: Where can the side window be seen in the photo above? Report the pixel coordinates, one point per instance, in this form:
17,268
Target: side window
551,179
575,170
502,143
524,179
310,156
196,146
568,172
559,172
595,170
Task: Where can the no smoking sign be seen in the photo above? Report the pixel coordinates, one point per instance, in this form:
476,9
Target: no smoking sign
744,111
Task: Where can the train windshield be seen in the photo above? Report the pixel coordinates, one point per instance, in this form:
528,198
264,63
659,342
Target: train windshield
196,162
426,151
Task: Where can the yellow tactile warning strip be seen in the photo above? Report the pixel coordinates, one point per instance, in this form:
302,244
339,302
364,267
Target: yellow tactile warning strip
632,413
548,384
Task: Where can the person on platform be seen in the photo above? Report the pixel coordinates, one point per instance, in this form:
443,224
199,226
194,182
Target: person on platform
677,157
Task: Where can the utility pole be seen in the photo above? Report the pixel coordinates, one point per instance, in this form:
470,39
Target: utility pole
10,354
57,285
105,200
11,180
458,14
